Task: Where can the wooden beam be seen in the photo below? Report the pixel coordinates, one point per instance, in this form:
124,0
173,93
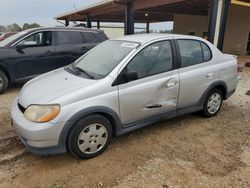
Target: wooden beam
143,4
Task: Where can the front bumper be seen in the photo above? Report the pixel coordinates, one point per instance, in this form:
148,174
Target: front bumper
38,138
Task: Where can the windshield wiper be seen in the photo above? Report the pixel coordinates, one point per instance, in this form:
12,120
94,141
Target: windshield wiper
83,71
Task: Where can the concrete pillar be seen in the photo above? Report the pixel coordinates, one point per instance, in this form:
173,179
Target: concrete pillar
129,18
217,22
223,24
212,20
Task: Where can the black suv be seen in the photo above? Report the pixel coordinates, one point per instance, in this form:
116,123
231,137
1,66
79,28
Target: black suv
36,51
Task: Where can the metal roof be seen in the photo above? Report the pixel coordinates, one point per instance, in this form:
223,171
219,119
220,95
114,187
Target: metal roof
84,10
144,10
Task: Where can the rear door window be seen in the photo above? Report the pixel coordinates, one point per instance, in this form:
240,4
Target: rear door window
190,51
69,37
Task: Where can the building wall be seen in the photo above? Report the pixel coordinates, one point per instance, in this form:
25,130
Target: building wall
237,29
113,32
183,24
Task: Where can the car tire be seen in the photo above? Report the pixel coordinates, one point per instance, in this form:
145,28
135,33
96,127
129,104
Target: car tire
212,103
3,82
89,137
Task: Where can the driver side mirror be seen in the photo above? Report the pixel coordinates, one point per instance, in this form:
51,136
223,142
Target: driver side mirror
20,47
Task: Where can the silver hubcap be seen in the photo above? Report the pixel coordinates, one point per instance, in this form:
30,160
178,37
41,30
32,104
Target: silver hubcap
214,103
92,138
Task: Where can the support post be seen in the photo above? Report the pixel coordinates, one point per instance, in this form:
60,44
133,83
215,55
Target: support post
89,23
129,18
147,27
66,23
98,24
223,24
212,20
217,22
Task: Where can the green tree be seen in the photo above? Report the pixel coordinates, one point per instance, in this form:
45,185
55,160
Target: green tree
34,25
2,28
14,28
26,26
29,26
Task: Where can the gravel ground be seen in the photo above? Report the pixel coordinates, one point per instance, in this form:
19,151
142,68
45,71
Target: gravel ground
188,151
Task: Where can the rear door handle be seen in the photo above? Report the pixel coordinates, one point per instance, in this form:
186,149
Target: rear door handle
170,82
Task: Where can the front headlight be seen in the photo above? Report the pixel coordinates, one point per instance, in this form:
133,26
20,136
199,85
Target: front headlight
42,113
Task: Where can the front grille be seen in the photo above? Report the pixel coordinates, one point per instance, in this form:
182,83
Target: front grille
21,108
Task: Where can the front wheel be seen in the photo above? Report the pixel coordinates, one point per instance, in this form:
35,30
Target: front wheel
212,103
3,82
89,137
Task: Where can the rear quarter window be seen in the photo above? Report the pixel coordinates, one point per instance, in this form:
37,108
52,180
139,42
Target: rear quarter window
94,37
206,52
69,37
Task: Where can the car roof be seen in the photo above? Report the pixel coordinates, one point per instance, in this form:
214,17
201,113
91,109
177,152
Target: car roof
63,29
145,38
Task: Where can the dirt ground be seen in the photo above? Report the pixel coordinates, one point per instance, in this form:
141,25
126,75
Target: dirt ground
188,151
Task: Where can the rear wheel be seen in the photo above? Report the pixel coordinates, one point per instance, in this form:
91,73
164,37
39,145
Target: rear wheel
212,103
3,82
89,137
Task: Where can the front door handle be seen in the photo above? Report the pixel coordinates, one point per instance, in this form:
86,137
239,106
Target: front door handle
154,106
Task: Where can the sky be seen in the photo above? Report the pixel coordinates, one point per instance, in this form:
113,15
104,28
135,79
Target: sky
44,11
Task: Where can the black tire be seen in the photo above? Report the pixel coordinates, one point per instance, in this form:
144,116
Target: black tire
3,82
83,127
206,112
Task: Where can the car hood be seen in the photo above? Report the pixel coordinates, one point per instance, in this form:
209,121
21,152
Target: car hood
49,86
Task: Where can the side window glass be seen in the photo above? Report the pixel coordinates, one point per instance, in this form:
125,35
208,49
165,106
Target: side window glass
89,37
206,52
38,39
190,51
69,37
154,59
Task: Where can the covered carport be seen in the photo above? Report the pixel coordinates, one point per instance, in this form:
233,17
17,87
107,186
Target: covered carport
130,12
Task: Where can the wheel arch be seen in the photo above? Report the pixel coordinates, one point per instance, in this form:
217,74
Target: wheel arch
2,68
221,85
108,113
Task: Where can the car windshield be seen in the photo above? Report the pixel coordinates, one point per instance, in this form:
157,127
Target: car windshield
11,38
102,59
